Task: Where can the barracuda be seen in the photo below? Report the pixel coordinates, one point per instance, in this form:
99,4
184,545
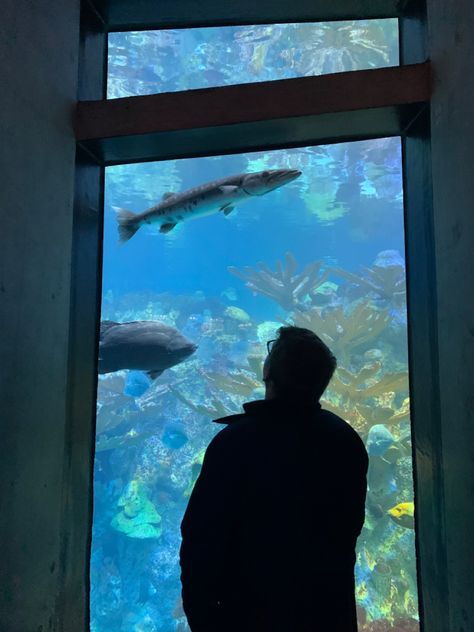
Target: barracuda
213,197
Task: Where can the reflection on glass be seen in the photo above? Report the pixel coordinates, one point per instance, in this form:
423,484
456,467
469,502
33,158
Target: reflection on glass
148,62
324,251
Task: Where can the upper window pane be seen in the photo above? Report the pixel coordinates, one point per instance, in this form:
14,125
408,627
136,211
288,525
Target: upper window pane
149,62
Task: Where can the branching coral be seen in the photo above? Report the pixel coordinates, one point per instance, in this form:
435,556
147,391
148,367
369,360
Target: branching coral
361,398
214,410
341,330
234,383
386,282
283,285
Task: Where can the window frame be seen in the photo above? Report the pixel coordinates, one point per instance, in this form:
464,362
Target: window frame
104,146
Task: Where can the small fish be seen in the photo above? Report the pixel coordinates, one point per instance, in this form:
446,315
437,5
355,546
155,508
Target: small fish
212,197
147,345
403,514
136,384
379,440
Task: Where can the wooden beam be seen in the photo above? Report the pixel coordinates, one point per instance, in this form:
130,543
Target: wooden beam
123,15
248,116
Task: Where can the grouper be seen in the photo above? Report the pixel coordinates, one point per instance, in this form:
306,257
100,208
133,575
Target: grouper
146,345
213,197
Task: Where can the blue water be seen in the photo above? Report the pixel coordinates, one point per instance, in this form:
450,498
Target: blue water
148,62
344,211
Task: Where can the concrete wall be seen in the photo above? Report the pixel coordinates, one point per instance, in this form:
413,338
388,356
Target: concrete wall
38,70
451,47
38,76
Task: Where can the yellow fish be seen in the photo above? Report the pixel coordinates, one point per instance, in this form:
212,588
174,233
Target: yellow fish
403,514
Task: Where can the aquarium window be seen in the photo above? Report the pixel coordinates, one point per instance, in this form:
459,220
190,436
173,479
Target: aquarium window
325,250
150,62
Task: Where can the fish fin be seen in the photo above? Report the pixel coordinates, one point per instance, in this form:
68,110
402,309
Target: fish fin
227,210
165,228
154,374
127,224
167,195
228,189
106,324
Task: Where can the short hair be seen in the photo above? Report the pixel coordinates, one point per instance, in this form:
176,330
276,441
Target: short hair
300,364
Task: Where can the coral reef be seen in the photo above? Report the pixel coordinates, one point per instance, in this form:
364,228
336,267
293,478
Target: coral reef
235,382
366,398
398,625
344,330
138,517
284,285
385,279
214,409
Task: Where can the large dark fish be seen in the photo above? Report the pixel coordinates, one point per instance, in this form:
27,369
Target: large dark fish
145,345
212,197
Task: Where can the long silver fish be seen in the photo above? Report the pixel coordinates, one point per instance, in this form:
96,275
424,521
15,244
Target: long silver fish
219,195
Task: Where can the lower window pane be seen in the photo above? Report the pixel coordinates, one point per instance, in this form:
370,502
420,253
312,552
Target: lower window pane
322,249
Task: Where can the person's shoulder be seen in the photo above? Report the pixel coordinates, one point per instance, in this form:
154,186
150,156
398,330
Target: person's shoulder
343,430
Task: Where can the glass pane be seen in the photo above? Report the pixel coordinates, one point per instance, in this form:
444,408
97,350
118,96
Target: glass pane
148,62
339,228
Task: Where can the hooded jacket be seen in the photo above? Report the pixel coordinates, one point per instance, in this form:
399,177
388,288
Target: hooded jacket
270,530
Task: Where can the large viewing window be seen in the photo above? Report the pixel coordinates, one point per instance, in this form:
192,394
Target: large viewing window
324,251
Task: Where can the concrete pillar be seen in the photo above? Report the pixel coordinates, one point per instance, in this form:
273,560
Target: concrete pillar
39,44
451,48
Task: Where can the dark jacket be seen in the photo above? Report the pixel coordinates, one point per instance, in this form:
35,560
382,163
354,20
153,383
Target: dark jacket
270,530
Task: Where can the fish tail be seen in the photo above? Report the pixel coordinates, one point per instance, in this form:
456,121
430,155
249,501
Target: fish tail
127,224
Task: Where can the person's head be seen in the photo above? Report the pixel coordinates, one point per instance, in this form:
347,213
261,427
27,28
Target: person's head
298,366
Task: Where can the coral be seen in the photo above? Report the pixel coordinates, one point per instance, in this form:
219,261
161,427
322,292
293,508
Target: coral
138,517
234,382
361,397
196,465
344,330
283,285
398,625
267,330
385,279
255,363
237,314
126,440
215,410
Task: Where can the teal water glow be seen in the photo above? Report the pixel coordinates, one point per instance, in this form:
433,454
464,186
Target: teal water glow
346,212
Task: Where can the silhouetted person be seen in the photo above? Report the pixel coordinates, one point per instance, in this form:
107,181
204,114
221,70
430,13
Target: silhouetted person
270,531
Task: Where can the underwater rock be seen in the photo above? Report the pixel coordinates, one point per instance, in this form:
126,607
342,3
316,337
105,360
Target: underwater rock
389,258
398,625
138,517
196,466
174,437
236,313
268,330
146,345
379,440
136,384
